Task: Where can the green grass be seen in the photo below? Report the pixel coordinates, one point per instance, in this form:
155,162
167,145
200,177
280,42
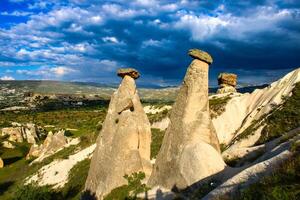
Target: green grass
131,190
283,119
157,138
279,121
217,105
283,184
72,190
84,120
158,116
17,168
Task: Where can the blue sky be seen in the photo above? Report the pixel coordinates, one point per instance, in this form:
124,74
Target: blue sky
88,40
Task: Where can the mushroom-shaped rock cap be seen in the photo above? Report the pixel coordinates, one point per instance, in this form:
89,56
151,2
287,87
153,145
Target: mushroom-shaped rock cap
227,79
200,55
133,73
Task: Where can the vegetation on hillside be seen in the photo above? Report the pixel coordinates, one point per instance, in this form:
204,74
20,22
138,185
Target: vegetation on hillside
157,139
283,184
158,116
131,190
217,105
284,118
280,120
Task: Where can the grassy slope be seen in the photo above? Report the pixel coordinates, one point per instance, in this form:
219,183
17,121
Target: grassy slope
280,120
283,184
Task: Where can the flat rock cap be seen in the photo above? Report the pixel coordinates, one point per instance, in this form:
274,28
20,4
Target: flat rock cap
227,79
200,55
133,73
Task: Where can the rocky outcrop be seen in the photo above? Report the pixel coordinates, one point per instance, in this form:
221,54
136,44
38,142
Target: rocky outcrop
22,132
242,109
123,146
190,149
128,72
51,145
1,163
227,83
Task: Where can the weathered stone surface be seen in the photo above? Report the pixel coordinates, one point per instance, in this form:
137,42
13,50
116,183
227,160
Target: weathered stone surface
8,145
133,73
227,83
34,152
190,149
200,55
226,89
227,79
21,132
51,144
123,146
15,134
1,163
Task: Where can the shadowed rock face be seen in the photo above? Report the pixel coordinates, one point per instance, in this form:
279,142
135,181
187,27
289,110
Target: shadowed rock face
123,146
190,149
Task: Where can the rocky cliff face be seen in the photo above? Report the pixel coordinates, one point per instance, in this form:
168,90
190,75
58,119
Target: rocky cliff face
190,149
123,146
227,83
242,109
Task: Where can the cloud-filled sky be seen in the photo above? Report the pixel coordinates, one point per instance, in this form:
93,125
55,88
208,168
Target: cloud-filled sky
88,40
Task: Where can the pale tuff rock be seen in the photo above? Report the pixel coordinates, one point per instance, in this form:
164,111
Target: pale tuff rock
227,83
123,146
1,163
21,132
51,145
155,110
57,172
15,134
162,125
242,109
190,149
8,145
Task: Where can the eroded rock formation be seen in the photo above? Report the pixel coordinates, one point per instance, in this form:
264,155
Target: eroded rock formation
51,145
227,83
22,132
123,146
190,149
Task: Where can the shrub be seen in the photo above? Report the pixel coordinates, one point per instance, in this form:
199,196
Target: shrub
131,190
33,192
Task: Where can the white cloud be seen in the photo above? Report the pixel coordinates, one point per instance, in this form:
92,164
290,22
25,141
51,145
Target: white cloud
7,78
202,26
110,39
61,71
16,13
226,25
48,72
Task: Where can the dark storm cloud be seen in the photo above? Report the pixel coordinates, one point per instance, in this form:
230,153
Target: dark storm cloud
87,41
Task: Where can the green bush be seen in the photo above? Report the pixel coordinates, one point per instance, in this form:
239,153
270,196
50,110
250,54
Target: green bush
33,192
131,190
